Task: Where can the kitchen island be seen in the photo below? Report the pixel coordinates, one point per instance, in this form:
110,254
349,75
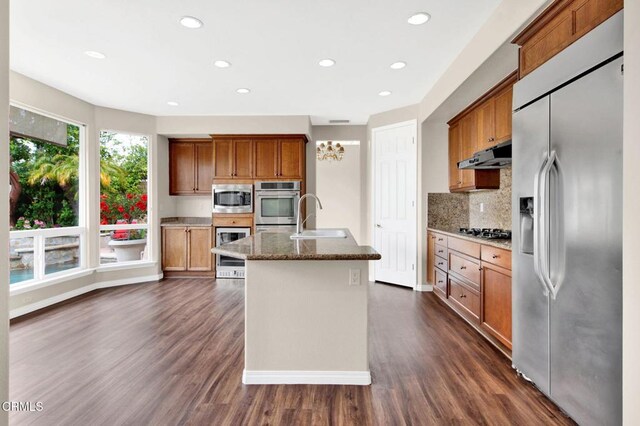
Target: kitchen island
305,309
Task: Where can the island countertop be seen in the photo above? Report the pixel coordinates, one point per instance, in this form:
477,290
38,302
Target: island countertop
279,246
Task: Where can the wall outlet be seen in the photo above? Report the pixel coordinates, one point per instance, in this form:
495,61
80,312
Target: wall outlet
354,276
481,207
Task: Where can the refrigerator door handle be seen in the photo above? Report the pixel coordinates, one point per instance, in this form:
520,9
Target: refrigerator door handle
539,252
554,288
544,224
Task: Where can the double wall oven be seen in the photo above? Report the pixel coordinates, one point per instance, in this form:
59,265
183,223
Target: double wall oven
276,205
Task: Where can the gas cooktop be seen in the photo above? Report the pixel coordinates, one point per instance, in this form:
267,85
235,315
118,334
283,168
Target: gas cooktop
487,233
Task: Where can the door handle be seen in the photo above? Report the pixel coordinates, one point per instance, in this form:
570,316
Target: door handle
554,288
538,207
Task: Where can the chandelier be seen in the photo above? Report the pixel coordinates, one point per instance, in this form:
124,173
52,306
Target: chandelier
330,152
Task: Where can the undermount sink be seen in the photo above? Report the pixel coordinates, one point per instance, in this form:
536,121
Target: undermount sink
319,233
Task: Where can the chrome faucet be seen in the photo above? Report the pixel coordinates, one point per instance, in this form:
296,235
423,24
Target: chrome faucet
300,222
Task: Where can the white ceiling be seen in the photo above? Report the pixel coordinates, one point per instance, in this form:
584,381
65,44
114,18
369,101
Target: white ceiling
274,47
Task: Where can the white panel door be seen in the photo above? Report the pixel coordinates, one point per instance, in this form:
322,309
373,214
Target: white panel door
394,192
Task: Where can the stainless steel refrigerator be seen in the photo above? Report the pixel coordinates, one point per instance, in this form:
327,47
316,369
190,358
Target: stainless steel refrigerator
567,227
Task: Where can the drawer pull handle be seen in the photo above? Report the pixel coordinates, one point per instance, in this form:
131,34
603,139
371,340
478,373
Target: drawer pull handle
439,263
495,256
463,267
440,282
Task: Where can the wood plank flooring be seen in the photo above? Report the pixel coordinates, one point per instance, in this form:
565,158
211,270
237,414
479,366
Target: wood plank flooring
171,353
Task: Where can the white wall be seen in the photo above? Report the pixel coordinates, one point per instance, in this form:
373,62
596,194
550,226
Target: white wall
351,133
631,243
4,207
339,189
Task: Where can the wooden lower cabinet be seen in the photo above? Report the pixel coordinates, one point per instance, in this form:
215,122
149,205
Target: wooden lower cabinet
475,280
187,249
496,302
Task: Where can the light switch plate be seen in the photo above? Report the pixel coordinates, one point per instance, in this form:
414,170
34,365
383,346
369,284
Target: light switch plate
354,276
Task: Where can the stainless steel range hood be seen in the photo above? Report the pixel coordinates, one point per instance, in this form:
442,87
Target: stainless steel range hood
497,157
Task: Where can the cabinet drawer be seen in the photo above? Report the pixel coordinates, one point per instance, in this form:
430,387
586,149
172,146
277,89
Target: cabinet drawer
464,297
496,256
442,264
441,239
463,246
441,251
440,284
232,221
465,267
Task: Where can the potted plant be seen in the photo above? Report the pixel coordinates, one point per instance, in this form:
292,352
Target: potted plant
127,244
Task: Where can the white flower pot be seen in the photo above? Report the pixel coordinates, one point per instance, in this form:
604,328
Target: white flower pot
128,250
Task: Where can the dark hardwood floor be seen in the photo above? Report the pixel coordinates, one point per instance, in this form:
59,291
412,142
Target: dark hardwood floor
172,353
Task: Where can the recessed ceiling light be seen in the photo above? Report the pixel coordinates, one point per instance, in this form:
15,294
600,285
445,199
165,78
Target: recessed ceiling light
327,63
191,22
398,65
384,93
95,55
222,64
243,90
419,18
172,103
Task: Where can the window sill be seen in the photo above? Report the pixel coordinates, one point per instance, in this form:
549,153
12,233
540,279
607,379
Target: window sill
126,265
27,287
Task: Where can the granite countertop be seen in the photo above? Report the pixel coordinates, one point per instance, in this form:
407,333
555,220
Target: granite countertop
278,246
503,244
185,221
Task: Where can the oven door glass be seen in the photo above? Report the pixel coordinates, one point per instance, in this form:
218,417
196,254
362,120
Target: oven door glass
232,198
278,207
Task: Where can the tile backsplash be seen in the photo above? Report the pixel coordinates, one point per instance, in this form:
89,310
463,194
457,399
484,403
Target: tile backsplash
482,209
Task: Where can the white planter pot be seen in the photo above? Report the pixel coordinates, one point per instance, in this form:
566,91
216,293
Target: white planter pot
128,250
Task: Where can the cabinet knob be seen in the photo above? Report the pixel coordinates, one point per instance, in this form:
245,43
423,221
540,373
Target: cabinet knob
495,256
463,267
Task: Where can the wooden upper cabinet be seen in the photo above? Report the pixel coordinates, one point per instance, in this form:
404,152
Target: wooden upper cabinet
265,159
558,26
486,114
292,158
181,168
455,180
503,115
190,166
243,159
204,168
468,145
222,159
233,158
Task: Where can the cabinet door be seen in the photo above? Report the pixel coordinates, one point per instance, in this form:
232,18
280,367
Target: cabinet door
204,168
199,254
181,168
243,159
503,113
223,159
174,248
496,302
454,155
431,257
468,145
265,159
291,159
486,125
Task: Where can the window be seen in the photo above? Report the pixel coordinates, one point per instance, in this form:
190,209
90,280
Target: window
46,238
123,197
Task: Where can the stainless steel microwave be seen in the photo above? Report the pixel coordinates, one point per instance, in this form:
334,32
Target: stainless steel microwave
232,198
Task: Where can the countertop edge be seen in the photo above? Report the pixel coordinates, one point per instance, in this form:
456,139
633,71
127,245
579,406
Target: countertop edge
493,243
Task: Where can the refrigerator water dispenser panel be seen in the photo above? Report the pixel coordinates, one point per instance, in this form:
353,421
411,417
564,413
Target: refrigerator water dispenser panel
526,225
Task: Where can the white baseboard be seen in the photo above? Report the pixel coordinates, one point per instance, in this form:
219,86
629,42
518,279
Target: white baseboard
424,287
78,292
286,377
